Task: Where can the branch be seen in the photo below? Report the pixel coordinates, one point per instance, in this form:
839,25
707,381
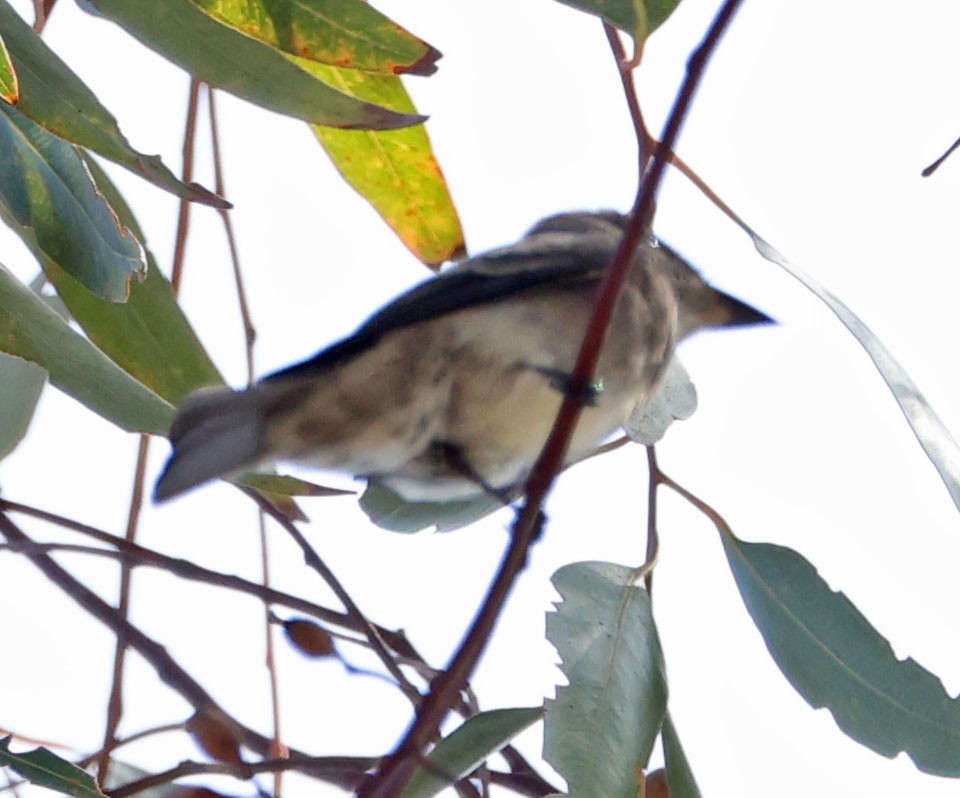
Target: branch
398,768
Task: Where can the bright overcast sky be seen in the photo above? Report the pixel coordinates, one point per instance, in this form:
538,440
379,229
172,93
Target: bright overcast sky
814,122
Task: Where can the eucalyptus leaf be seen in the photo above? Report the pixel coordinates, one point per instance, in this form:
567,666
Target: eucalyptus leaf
394,170
350,34
31,330
148,335
675,399
54,97
601,727
389,510
459,754
46,769
21,383
639,18
679,775
834,658
224,58
9,82
932,434
49,199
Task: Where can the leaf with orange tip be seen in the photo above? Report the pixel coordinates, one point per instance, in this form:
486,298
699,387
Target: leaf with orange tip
346,33
394,170
9,85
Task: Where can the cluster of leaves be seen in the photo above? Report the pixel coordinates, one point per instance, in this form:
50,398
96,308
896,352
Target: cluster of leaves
336,65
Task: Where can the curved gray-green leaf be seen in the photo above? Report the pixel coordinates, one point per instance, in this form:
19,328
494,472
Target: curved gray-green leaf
148,335
182,33
930,431
834,658
49,199
639,18
46,769
389,510
21,383
463,750
31,330
54,97
601,727
679,775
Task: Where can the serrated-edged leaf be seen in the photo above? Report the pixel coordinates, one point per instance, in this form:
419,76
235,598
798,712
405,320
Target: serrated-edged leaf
48,197
21,383
148,335
344,33
394,170
389,510
601,727
54,97
183,33
46,769
932,434
639,18
834,658
9,83
31,330
462,751
675,399
679,775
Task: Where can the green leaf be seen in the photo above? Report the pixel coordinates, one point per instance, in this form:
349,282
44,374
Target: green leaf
9,83
49,199
31,330
834,658
601,727
285,485
54,97
148,335
639,18
679,776
345,33
462,751
21,383
46,769
182,33
394,170
388,510
932,434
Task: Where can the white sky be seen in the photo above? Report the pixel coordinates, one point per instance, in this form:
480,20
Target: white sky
813,123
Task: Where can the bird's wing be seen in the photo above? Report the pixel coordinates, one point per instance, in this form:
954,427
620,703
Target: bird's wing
557,261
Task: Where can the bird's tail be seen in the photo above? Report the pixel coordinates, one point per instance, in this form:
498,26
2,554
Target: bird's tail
216,431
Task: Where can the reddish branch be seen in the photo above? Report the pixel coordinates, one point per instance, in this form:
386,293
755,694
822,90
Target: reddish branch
398,768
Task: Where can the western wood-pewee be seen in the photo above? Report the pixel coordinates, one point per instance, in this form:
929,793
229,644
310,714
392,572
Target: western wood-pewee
452,388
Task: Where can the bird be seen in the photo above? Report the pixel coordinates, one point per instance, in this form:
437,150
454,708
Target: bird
451,389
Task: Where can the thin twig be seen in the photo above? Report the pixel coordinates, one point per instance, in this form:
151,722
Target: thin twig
344,771
166,667
249,339
936,164
249,331
41,12
137,555
186,174
115,701
653,537
645,143
399,767
312,559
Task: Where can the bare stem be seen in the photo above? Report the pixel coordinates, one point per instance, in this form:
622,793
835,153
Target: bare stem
398,768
